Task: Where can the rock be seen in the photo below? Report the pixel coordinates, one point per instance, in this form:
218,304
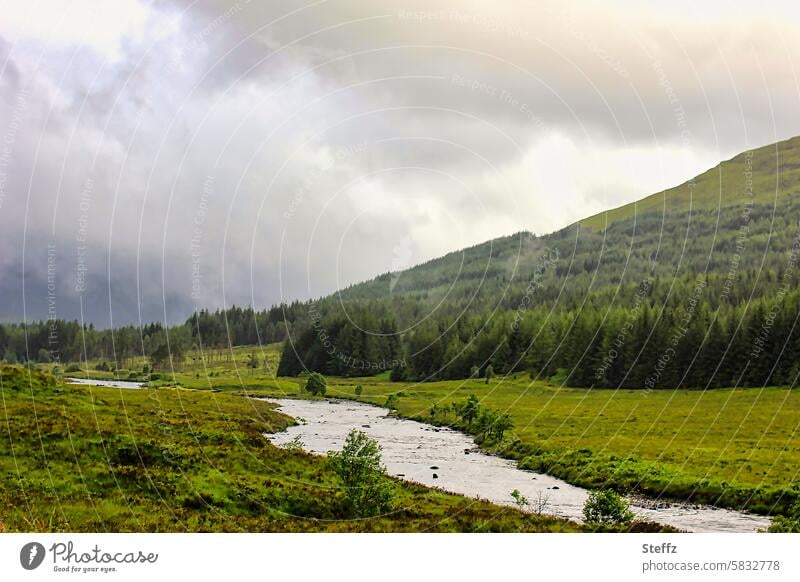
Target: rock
556,487
365,426
435,476
434,467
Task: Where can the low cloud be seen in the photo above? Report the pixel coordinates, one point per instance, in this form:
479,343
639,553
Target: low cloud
210,153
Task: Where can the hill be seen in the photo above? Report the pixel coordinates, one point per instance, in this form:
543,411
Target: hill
775,172
693,287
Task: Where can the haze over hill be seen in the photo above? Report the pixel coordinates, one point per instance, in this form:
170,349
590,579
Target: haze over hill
162,156
767,178
696,286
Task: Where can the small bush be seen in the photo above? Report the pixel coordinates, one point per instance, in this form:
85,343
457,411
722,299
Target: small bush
358,465
787,524
316,384
607,507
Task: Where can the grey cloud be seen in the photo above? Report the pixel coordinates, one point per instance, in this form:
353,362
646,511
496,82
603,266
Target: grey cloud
222,122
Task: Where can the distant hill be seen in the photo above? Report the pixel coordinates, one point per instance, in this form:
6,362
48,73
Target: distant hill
775,170
695,286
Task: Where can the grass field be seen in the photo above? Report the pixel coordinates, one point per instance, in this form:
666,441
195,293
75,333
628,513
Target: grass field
102,459
738,448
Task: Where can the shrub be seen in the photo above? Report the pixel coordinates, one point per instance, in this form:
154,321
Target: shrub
519,499
293,445
367,490
607,507
359,390
468,410
398,374
489,373
787,524
73,368
316,384
391,401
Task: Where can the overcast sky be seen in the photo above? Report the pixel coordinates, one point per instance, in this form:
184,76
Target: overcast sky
160,156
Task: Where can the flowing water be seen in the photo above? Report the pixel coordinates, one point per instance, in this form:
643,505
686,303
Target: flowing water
444,458
106,383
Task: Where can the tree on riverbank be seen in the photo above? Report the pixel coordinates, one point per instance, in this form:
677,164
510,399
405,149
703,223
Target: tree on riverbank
316,384
607,507
366,489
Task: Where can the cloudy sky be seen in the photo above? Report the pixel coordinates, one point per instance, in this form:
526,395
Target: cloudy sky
157,156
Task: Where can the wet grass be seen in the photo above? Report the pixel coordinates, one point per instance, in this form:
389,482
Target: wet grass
738,448
172,460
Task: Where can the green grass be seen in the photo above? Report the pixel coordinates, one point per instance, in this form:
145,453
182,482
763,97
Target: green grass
731,447
172,460
737,448
209,369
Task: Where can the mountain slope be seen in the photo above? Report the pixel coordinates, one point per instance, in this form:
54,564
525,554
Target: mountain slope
775,172
774,181
697,286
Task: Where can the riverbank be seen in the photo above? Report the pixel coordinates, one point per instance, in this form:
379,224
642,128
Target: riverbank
99,459
445,458
732,448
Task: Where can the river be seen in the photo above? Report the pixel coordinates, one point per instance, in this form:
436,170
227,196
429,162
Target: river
445,458
105,383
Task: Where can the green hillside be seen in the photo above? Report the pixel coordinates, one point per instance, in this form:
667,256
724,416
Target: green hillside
775,172
712,282
694,287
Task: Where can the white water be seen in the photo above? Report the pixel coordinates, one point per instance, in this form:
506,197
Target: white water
106,383
417,451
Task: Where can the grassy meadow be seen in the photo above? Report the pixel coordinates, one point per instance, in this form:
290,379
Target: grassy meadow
172,460
732,447
737,448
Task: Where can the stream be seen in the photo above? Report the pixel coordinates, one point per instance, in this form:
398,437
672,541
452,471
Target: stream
106,383
450,460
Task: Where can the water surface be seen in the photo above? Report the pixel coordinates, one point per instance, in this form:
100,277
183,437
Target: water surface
106,383
441,457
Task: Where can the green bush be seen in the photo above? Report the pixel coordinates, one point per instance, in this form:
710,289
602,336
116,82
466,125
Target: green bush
787,524
607,507
367,490
316,384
